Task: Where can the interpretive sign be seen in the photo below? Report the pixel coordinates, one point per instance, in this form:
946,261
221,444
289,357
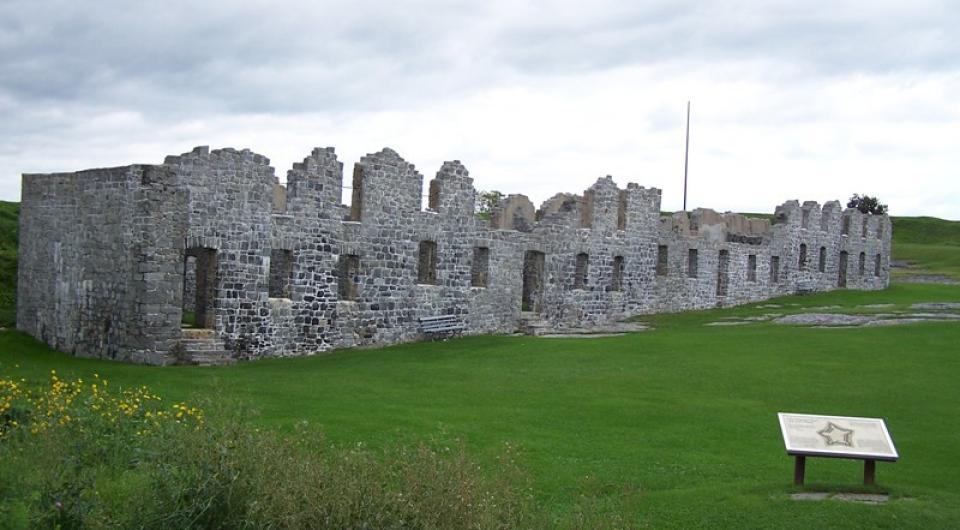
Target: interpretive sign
837,436
864,439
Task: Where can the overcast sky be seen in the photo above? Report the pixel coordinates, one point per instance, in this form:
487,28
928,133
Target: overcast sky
799,100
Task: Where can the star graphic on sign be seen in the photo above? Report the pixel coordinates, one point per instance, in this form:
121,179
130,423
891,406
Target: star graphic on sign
836,435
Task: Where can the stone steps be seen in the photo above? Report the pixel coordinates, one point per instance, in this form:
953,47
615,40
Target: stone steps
532,324
198,333
214,358
200,347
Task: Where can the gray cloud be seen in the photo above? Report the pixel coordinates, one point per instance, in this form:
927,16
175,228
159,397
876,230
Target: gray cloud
98,82
262,57
217,56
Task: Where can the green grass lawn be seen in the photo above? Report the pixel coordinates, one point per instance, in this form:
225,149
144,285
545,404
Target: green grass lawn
931,245
675,427
934,259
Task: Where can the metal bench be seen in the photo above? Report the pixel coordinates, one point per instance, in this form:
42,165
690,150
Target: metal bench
806,286
441,325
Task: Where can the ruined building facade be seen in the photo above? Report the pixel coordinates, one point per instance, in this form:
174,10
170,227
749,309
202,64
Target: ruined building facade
111,259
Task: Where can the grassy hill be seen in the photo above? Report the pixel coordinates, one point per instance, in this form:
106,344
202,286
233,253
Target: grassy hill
931,245
925,231
9,213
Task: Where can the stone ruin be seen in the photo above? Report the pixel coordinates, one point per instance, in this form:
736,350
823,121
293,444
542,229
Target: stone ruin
112,259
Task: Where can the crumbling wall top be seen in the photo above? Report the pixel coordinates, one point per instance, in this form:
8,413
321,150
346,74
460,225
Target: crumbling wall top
559,203
515,212
452,191
386,186
314,185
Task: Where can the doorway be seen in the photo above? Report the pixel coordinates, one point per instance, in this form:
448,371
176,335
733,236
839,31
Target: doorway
842,277
533,266
723,273
199,287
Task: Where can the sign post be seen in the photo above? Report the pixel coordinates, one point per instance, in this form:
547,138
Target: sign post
864,439
799,470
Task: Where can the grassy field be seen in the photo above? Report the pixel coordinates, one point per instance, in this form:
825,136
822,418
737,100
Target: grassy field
671,428
674,428
942,260
932,243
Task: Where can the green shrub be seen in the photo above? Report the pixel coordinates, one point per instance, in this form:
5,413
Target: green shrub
9,219
79,458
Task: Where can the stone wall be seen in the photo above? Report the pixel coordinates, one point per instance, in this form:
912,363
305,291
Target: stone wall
290,271
97,267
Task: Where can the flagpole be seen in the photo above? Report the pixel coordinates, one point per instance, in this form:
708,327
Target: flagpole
686,158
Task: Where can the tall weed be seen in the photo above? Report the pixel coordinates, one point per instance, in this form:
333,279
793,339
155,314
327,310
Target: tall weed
81,455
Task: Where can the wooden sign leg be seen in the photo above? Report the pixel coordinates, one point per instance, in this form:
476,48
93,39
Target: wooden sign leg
799,469
869,472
